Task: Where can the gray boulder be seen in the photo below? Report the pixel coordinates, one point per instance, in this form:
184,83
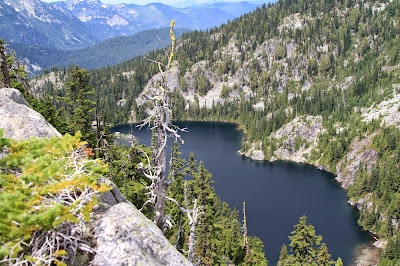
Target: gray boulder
124,236
19,121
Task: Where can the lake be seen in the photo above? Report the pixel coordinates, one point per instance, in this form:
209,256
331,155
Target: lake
276,193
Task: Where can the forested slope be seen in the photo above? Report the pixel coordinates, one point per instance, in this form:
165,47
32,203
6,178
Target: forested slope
331,67
107,53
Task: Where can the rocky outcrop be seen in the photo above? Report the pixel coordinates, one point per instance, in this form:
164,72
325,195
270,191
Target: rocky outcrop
388,110
19,121
124,236
359,154
304,130
255,152
367,255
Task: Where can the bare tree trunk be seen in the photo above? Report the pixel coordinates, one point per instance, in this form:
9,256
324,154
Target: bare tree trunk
21,79
245,241
192,242
161,185
192,236
162,123
193,216
178,235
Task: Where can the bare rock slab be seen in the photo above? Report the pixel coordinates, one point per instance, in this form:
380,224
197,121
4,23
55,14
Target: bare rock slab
19,121
126,237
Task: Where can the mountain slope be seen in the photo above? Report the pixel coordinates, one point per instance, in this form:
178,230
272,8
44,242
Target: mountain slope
106,53
77,24
37,23
108,20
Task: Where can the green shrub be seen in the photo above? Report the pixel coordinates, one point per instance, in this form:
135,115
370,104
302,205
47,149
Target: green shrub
45,184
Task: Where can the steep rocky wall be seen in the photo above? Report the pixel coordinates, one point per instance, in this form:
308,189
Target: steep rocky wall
358,154
307,129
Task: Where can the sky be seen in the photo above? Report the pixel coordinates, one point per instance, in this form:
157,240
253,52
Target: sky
177,3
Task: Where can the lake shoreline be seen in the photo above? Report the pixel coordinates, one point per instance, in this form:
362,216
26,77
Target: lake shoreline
237,126
365,254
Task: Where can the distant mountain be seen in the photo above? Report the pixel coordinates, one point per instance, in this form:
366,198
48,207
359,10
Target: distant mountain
37,23
74,24
107,53
108,20
235,9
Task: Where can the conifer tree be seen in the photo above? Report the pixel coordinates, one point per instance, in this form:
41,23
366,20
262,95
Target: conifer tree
306,247
176,192
339,262
12,73
203,192
304,241
323,256
283,256
79,109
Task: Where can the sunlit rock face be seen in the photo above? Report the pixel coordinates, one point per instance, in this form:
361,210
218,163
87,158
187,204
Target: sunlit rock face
19,121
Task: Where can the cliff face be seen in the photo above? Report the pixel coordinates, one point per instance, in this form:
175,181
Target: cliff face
359,154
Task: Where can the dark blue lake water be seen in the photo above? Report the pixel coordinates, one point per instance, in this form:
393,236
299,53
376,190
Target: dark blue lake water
276,193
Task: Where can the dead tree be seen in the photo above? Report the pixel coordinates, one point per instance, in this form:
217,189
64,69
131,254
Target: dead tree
160,120
193,216
246,246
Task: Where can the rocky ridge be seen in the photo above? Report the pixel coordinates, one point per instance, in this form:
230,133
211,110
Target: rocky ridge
110,20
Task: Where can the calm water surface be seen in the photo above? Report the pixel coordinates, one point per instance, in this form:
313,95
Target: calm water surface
276,194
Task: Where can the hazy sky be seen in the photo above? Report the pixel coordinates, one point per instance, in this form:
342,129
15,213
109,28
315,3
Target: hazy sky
167,2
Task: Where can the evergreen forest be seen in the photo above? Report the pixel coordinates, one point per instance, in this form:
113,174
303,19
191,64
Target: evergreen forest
329,67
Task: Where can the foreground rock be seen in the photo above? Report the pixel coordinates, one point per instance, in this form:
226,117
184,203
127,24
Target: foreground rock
125,236
19,121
